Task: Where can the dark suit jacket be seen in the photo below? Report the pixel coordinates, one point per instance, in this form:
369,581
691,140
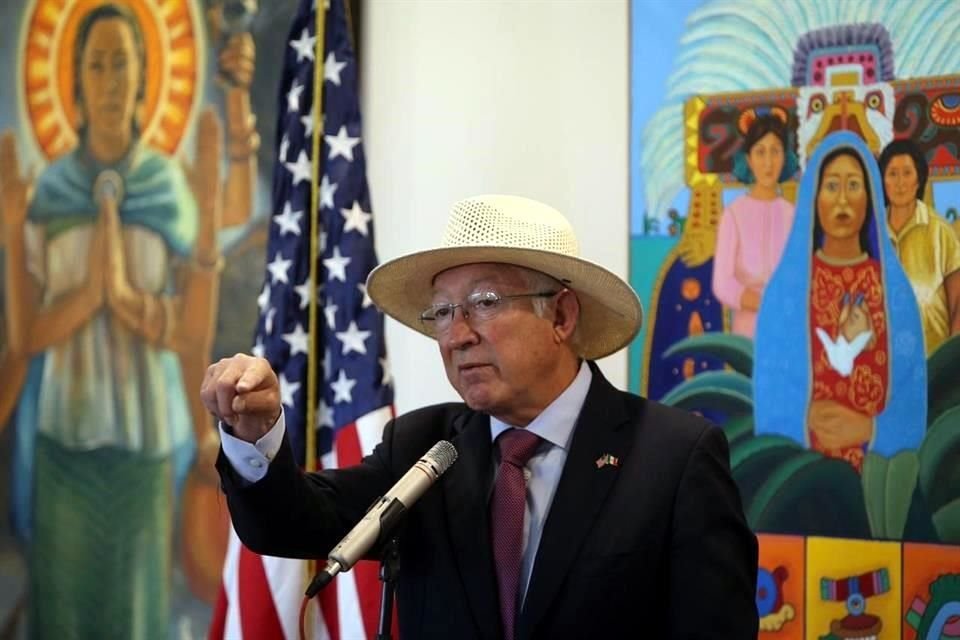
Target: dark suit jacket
655,548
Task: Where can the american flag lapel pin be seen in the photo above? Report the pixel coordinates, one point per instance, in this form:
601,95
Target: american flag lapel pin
607,459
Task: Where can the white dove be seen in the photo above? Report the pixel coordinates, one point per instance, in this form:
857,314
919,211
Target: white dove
854,336
841,353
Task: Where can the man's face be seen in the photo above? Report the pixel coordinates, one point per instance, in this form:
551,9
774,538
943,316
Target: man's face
504,366
901,180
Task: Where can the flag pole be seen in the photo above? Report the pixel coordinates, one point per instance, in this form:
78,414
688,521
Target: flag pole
310,420
311,417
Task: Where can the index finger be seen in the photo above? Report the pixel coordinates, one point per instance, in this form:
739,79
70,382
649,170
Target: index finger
219,386
255,377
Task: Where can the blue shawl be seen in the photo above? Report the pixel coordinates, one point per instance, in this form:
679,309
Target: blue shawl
156,196
782,376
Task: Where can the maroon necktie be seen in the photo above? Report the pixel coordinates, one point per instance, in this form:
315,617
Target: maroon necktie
506,517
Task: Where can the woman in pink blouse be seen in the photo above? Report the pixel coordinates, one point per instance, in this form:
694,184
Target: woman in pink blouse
754,228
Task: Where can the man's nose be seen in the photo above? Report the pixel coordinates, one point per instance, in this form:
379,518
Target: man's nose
460,333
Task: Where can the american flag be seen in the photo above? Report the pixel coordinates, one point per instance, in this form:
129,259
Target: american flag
353,396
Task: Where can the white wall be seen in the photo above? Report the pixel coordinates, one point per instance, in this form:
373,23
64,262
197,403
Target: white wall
462,98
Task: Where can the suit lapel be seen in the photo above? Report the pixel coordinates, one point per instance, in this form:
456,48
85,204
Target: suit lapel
466,487
579,496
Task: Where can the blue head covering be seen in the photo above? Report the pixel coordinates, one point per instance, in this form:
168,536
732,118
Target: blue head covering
783,376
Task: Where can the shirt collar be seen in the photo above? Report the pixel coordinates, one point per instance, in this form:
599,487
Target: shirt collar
555,424
921,216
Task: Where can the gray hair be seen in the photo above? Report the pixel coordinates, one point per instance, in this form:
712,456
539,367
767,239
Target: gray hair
539,281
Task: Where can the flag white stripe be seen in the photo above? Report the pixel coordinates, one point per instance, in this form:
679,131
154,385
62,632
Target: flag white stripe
231,567
370,428
287,581
348,605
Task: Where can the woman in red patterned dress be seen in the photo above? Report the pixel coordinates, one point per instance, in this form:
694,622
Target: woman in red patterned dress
848,326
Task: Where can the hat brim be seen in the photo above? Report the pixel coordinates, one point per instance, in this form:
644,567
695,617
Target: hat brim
610,311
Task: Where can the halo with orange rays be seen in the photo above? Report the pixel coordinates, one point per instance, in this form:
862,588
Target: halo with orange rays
171,77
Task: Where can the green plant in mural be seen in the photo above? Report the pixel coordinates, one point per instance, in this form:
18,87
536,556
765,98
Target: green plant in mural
677,223
651,225
729,391
735,350
940,451
915,494
943,381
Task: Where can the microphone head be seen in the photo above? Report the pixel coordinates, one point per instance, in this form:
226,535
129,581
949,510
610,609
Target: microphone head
440,457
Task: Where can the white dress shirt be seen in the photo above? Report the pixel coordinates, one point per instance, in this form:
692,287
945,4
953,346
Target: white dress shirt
555,427
251,460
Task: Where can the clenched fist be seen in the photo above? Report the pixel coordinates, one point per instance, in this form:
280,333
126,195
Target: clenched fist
243,392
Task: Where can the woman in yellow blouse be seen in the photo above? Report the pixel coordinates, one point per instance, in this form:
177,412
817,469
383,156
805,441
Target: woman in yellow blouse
926,245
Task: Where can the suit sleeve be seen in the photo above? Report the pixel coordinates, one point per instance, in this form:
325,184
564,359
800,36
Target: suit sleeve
713,555
290,513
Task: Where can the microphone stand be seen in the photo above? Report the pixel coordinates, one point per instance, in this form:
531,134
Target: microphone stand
389,569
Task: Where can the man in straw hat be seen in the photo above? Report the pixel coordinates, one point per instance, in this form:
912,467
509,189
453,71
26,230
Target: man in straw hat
574,510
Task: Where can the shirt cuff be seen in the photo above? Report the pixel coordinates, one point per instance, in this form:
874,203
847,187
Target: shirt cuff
250,460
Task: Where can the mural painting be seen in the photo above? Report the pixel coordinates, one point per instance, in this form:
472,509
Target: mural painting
131,187
931,591
795,195
780,586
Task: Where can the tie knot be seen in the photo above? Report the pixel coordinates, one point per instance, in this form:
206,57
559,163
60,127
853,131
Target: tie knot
517,446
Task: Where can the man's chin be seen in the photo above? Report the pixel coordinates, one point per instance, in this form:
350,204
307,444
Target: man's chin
479,400
481,404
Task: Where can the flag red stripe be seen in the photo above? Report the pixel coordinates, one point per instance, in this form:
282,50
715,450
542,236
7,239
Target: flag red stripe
258,614
366,574
331,613
218,624
348,446
369,591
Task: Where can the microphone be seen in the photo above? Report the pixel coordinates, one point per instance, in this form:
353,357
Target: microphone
384,514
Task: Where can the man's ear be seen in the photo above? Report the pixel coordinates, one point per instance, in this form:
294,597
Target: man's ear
566,316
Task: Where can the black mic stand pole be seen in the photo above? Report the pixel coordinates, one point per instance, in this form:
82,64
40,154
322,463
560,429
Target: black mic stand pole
389,569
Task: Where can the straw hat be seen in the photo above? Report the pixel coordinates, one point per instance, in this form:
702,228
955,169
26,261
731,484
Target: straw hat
522,232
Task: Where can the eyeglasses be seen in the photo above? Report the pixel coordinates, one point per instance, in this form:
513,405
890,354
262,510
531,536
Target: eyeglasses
480,305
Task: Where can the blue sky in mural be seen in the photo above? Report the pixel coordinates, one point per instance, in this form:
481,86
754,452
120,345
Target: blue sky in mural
651,62
690,47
